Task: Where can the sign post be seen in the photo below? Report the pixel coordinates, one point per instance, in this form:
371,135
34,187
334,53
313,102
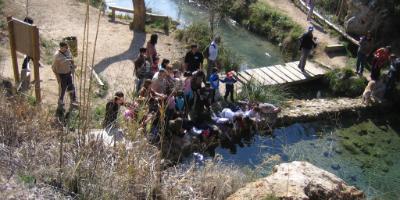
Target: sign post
24,38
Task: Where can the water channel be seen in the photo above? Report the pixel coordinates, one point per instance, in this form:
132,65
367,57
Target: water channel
254,51
371,161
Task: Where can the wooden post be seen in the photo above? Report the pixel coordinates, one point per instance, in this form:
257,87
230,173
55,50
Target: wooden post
36,65
13,50
112,14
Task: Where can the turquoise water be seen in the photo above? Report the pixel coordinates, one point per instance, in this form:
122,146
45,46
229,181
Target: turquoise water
320,144
253,50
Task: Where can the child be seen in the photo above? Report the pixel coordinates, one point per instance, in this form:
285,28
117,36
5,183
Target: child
171,107
180,104
154,66
229,85
214,81
205,96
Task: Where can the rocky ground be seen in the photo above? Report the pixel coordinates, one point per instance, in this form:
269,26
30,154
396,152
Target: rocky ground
116,48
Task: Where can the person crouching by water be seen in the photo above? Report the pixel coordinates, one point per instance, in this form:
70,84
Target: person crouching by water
63,67
110,123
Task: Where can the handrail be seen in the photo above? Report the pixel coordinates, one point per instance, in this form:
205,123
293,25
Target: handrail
303,7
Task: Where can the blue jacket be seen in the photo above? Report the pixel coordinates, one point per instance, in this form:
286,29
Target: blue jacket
214,80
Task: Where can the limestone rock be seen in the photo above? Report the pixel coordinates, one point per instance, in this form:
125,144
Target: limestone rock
362,17
298,181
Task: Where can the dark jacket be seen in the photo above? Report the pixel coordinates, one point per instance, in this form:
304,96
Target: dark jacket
112,110
307,41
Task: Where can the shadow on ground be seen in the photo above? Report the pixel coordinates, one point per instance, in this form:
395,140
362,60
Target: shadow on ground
130,54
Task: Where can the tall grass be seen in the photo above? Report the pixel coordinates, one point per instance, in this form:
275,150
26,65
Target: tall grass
255,92
41,151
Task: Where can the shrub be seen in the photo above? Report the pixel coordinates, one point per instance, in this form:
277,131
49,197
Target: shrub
345,82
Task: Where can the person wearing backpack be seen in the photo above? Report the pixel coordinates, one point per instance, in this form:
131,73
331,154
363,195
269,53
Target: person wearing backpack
211,53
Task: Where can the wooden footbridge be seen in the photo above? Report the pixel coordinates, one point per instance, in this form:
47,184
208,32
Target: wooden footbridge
285,74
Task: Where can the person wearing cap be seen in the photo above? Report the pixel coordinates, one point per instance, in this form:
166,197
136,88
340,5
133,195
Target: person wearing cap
393,75
212,55
63,67
381,57
307,43
364,49
193,59
229,81
110,123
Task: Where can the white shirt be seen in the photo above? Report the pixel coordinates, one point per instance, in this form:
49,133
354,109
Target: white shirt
213,51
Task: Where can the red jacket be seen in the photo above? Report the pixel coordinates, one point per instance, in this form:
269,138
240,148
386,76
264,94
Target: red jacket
381,56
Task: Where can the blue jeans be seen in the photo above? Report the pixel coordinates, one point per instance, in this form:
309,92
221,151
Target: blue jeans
139,83
361,62
303,59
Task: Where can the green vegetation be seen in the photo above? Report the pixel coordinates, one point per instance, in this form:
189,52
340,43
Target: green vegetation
48,48
199,33
345,82
268,22
255,92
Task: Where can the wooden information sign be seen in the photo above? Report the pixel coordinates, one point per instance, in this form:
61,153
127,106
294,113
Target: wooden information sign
24,38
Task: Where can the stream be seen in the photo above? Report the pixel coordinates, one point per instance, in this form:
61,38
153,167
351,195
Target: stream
254,51
364,152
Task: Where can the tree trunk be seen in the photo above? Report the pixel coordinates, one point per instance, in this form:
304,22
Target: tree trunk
139,17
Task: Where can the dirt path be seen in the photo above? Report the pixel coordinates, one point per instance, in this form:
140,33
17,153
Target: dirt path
287,7
117,46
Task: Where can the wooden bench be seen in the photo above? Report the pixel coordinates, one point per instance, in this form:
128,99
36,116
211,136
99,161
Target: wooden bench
119,9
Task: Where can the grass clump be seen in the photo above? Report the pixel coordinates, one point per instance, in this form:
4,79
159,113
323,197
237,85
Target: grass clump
345,82
199,33
255,92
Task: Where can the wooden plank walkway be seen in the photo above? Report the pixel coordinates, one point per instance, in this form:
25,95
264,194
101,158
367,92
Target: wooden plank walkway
285,74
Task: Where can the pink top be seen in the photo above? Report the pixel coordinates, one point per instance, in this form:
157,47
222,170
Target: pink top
151,50
171,102
187,85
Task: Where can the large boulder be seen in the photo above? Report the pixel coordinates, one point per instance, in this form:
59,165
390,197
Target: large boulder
298,181
362,17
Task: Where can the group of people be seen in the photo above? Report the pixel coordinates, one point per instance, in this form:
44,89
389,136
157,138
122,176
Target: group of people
377,87
183,96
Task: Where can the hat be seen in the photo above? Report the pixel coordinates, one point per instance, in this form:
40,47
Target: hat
310,28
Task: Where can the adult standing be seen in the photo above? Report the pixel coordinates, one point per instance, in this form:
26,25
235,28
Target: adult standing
393,75
307,44
63,67
364,50
310,9
140,65
193,59
381,57
151,52
212,55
